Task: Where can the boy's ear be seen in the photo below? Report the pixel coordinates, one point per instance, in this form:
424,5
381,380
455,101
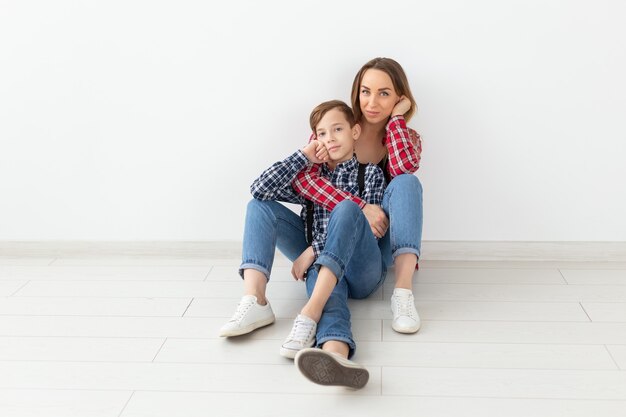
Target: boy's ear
356,131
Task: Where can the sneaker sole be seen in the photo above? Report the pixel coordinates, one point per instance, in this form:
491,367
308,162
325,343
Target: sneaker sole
323,369
290,353
249,328
405,330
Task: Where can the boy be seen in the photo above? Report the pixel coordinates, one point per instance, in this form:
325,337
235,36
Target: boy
343,257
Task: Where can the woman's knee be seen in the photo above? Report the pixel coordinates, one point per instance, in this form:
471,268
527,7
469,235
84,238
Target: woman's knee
406,183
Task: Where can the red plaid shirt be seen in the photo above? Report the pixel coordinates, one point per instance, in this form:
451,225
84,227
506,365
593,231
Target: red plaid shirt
404,147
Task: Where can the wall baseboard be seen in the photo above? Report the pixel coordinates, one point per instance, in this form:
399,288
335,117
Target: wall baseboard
524,251
431,250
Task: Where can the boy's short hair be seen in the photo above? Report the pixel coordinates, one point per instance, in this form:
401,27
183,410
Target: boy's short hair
318,112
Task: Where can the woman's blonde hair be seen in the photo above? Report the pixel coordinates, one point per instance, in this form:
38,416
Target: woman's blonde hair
398,79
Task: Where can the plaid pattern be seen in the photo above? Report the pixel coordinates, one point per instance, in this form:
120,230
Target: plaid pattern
345,178
275,184
404,147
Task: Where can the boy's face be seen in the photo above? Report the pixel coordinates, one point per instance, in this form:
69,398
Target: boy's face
335,133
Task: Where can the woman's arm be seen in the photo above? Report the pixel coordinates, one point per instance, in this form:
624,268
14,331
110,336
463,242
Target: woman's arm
404,146
310,185
319,190
309,182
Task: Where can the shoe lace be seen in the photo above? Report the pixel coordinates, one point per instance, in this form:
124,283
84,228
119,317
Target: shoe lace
301,330
242,309
405,306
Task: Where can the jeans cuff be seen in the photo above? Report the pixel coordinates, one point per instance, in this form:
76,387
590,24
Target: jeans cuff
252,265
334,337
406,249
331,262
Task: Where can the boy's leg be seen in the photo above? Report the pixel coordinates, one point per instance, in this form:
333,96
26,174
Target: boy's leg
268,225
350,246
351,251
325,283
333,321
335,346
330,366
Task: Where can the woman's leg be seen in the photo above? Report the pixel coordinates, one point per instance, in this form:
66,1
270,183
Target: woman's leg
403,204
268,225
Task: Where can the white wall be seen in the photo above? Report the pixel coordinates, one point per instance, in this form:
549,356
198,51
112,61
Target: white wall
147,120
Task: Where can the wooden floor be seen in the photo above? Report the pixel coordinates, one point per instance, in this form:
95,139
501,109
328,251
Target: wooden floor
137,336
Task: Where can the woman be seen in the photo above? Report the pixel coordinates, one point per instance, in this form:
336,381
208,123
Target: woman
382,103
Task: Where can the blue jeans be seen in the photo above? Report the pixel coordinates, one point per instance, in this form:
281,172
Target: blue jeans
351,252
270,225
402,202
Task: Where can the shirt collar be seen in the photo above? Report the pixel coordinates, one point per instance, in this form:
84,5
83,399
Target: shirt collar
348,165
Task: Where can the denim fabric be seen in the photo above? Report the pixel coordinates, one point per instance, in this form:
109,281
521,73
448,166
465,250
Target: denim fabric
270,225
351,251
403,204
352,254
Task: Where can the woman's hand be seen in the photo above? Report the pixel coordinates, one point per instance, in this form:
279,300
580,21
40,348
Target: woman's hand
302,264
377,219
315,152
401,107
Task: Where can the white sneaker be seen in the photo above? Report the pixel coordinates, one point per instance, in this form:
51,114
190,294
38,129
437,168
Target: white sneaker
329,368
405,317
250,315
302,336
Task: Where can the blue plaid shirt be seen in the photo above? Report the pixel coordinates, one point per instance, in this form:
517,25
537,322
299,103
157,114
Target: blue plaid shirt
275,184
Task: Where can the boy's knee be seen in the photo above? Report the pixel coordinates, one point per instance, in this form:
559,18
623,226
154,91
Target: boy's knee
346,207
255,205
346,212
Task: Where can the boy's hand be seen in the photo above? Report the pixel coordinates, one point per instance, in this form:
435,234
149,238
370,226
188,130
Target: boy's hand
315,152
401,107
302,264
377,219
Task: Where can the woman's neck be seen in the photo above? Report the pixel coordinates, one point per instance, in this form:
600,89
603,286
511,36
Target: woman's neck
370,147
372,132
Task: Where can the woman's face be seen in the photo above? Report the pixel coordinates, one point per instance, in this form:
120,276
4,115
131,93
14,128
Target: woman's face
377,96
